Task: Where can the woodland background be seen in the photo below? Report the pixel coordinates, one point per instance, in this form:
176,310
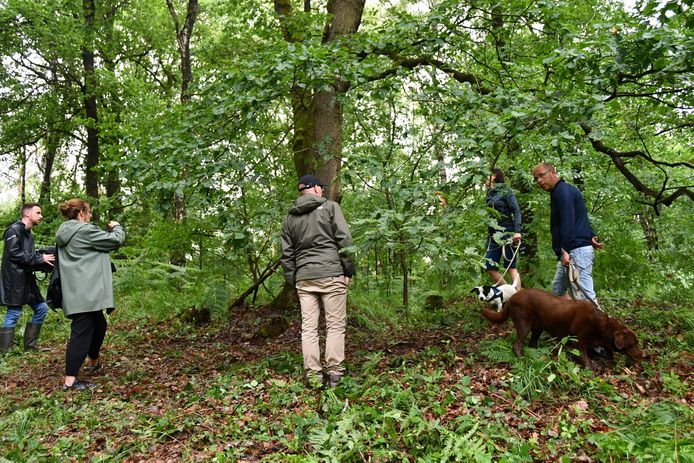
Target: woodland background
189,122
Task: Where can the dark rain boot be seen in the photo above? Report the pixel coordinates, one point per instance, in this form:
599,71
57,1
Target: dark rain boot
334,379
6,339
31,335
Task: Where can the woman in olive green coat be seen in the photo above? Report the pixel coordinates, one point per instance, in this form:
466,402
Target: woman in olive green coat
87,285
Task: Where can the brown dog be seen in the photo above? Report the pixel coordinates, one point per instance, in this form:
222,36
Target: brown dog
537,311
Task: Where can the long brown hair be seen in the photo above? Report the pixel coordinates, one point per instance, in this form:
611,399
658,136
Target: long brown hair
498,175
71,208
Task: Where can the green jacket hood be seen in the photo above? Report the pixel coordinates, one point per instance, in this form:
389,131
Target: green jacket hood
67,231
305,204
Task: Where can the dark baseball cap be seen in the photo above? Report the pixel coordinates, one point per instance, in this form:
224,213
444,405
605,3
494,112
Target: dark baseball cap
309,181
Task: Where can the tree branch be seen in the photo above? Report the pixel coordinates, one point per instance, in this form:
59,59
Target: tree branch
618,161
268,271
412,63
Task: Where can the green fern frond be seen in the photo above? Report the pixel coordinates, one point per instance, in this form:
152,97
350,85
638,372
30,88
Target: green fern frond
497,350
465,447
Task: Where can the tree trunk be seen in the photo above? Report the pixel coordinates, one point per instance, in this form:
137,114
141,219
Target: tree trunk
90,103
528,262
318,115
55,115
646,219
405,280
317,139
113,140
286,301
184,33
52,144
23,174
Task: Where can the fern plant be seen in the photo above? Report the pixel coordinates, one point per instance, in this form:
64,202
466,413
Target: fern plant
465,447
497,350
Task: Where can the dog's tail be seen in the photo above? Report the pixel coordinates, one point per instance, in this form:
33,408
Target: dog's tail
497,317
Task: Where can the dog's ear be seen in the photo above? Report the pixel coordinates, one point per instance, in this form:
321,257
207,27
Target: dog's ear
620,339
474,290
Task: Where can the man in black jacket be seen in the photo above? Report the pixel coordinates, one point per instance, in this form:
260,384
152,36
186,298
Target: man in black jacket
573,239
17,281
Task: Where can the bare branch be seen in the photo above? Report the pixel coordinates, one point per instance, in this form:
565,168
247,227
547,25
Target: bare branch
677,127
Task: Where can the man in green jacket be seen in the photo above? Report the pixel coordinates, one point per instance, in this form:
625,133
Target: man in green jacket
314,232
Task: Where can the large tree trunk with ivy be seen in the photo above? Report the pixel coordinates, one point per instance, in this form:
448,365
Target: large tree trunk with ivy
317,139
318,114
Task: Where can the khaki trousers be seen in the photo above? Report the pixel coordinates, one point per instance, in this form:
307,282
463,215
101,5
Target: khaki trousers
332,291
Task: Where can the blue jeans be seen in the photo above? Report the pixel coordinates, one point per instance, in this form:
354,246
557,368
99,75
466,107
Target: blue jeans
583,259
14,313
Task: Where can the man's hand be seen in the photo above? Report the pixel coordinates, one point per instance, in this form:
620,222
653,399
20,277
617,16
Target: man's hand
346,279
516,238
565,258
49,259
111,225
596,244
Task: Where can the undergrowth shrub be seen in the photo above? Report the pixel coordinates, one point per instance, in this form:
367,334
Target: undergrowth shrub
151,289
542,374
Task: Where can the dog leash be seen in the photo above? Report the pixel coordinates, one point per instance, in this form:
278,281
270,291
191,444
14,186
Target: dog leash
513,256
573,278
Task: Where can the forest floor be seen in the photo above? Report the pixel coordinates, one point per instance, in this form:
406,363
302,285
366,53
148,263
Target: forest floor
173,392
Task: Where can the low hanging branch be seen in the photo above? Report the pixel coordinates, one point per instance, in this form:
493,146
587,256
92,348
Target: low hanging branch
268,271
618,160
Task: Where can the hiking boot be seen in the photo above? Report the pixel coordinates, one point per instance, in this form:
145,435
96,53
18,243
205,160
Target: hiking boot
79,386
334,379
6,339
31,336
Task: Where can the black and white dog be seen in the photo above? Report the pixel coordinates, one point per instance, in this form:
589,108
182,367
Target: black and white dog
495,295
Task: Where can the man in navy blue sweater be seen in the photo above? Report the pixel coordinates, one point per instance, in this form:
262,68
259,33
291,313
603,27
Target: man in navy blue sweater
573,239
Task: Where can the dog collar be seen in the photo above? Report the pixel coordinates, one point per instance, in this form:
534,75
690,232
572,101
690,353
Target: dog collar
497,293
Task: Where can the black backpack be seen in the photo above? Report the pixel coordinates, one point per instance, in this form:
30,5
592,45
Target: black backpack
54,293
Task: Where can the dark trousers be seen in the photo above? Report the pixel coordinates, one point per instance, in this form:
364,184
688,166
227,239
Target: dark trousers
87,334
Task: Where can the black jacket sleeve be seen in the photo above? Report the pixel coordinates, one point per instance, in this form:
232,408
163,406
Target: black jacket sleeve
25,258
